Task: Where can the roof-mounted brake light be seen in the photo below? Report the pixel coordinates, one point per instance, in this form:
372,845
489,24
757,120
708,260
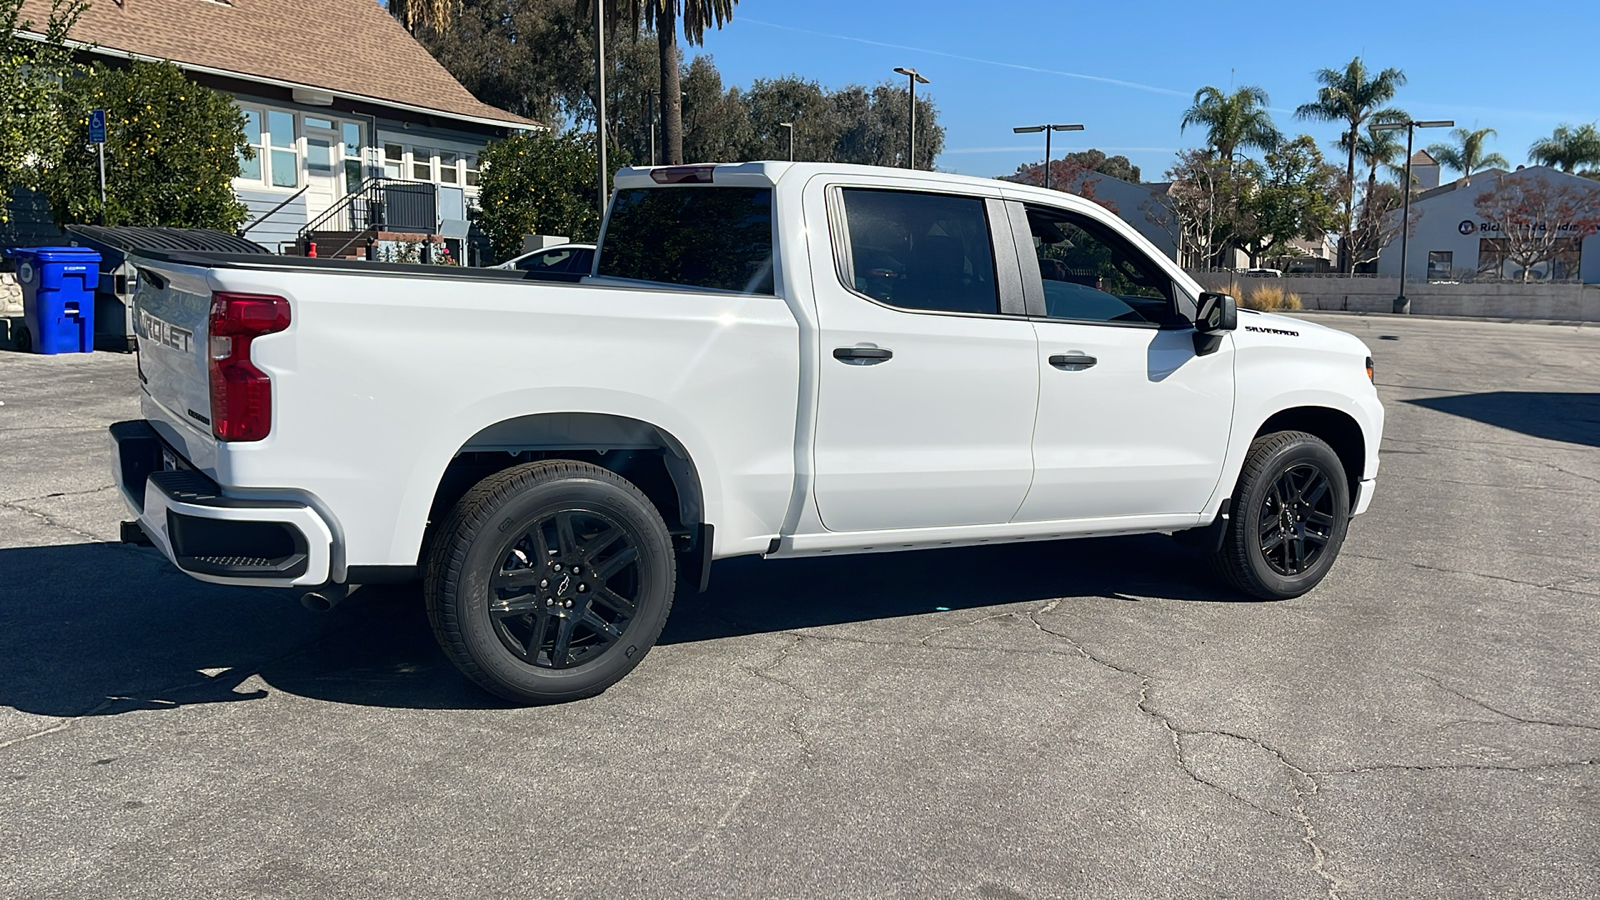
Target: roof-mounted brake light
682,175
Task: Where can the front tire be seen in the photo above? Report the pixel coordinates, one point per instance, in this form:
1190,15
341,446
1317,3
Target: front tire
550,581
1288,519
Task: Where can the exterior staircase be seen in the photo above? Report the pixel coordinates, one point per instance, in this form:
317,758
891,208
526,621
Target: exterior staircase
382,209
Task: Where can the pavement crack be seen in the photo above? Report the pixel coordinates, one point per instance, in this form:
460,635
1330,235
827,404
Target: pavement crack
1458,767
54,494
1557,585
1309,836
1500,712
808,753
59,726
46,519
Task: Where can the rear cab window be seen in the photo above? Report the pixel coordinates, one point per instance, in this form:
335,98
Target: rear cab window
712,237
919,251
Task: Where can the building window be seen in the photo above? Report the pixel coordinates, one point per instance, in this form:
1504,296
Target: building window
1441,263
394,160
449,173
421,164
472,170
350,132
284,162
250,169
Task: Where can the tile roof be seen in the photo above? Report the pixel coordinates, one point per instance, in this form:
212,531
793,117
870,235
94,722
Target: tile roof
347,46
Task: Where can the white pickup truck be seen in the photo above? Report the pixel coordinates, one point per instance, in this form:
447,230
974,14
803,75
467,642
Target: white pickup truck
769,358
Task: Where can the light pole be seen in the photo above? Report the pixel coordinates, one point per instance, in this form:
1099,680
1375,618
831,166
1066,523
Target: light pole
600,98
914,78
1035,129
650,120
790,126
1401,304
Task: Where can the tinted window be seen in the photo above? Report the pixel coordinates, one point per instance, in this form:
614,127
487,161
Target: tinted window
708,237
1090,274
921,251
551,261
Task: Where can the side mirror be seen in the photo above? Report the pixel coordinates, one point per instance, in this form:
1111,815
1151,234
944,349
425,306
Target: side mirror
1218,313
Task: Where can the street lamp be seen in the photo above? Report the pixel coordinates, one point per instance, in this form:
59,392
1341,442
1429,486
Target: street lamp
1401,304
600,100
914,78
1035,129
790,127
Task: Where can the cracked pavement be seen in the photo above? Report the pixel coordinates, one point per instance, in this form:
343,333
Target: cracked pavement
1092,718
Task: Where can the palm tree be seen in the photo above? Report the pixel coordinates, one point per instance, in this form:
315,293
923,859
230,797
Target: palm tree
663,17
435,15
1568,147
1352,96
1465,153
1233,121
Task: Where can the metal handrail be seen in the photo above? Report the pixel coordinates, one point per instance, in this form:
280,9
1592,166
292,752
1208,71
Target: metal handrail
366,207
273,211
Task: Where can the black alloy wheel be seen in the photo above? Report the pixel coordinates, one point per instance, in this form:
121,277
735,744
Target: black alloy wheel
1290,513
1296,520
550,581
567,590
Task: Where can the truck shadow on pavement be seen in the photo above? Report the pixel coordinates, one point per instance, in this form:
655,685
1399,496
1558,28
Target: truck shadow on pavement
1552,415
104,629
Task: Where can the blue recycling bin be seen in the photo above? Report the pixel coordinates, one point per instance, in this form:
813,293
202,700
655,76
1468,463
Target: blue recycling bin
58,285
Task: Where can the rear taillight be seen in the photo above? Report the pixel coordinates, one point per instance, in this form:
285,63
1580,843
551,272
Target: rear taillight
241,394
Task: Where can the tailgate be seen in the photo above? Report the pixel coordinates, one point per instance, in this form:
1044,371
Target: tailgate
170,314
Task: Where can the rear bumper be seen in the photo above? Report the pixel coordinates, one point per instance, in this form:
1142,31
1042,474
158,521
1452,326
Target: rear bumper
216,538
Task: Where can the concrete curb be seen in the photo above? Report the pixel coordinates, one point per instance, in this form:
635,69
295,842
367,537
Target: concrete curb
1504,320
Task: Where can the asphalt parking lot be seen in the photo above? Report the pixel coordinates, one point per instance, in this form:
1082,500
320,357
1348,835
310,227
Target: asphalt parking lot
1084,719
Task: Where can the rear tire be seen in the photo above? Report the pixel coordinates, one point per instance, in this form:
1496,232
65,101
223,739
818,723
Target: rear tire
1288,518
550,581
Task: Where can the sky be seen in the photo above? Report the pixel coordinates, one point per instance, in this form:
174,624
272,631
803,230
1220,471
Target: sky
1128,70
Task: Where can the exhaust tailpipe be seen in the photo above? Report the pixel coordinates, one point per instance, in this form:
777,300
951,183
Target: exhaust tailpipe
324,598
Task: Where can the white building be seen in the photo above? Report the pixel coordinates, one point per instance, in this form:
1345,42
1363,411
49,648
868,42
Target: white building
1454,240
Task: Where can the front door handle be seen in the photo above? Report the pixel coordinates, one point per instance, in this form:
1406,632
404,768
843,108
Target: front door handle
862,356
1073,362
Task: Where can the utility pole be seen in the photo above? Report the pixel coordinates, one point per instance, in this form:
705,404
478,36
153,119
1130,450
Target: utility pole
600,98
650,120
1035,129
914,78
1401,304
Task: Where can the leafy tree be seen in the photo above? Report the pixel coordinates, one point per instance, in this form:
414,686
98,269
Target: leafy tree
1352,95
805,104
1233,121
1071,170
1294,200
416,15
1203,205
876,126
663,17
1568,147
534,58
538,183
30,75
1465,153
715,122
172,151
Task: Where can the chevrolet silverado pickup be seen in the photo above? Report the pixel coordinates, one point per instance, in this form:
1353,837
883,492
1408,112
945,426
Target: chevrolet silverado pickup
775,359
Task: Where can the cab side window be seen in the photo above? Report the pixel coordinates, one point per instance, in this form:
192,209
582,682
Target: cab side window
920,251
1090,274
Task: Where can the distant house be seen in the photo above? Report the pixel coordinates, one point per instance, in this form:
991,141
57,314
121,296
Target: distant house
1141,205
1453,240
334,92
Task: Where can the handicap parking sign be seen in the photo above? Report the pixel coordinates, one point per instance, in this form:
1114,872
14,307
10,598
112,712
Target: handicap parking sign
97,127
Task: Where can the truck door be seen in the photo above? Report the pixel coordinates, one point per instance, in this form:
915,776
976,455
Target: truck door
927,380
1132,421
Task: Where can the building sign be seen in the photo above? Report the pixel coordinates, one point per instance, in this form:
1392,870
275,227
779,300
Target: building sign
1467,226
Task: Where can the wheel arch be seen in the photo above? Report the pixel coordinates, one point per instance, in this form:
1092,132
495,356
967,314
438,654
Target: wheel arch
1336,428
649,456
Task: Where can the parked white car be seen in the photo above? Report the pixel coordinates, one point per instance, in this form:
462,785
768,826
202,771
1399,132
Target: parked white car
774,359
566,259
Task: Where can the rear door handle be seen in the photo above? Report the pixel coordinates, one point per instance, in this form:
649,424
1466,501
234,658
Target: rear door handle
862,356
1075,362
